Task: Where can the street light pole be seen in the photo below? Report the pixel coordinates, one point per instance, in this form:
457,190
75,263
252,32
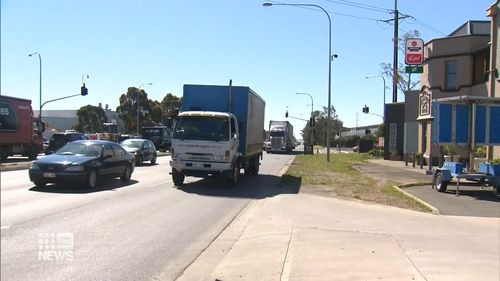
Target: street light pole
138,105
40,63
383,78
329,66
310,124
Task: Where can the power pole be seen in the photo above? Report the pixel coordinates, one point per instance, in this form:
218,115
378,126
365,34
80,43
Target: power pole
395,74
395,60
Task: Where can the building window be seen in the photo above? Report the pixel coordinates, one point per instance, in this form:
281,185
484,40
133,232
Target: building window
393,134
451,77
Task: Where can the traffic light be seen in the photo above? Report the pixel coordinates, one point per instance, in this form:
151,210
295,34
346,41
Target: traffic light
83,90
366,109
286,114
312,121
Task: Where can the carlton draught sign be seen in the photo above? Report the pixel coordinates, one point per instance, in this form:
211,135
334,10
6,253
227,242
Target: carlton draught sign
414,51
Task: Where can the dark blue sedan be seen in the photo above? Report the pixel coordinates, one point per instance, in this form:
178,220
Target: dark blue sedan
83,161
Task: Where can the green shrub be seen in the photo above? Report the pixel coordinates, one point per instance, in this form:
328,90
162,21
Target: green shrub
481,151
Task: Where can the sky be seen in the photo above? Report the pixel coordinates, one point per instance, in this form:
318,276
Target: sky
277,51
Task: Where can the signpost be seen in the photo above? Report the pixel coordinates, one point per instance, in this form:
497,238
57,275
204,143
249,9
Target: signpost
414,69
414,51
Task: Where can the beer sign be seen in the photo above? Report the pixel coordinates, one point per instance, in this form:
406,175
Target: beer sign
414,51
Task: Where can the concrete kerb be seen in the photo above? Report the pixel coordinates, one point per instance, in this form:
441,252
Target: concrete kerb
434,210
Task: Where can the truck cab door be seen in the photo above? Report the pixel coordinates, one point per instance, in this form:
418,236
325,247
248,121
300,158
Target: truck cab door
234,133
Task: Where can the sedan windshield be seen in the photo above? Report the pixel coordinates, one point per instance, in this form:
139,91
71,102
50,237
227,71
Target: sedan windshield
202,128
87,149
132,143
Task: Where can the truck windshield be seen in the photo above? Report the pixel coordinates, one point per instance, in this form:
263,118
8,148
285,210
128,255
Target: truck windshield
202,128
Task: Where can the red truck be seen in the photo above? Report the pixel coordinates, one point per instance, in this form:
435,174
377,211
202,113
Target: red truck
20,132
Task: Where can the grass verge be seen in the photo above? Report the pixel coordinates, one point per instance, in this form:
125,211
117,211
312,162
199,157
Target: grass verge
338,178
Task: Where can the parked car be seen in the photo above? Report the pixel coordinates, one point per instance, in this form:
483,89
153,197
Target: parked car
83,161
267,145
142,149
123,137
58,140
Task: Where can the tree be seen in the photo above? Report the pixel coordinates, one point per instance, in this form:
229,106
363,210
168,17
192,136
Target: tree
404,79
380,130
170,105
320,127
90,119
127,110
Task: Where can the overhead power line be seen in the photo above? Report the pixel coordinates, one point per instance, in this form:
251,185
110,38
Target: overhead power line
333,13
426,25
360,5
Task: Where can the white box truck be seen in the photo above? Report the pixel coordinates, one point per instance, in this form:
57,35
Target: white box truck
219,131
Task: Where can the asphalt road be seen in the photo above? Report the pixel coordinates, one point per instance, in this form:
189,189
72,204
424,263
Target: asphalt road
134,231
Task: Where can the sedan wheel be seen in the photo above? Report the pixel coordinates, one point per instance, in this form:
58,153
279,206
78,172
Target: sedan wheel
139,160
153,160
40,184
127,174
92,179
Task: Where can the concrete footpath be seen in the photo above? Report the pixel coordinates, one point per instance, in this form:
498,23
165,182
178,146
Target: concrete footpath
308,237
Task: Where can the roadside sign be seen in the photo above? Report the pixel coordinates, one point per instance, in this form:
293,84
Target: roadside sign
414,69
414,51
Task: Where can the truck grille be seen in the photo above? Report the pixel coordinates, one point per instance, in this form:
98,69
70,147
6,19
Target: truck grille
199,156
276,143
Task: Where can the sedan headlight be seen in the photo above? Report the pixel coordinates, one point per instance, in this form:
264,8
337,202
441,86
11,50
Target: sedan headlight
34,166
74,168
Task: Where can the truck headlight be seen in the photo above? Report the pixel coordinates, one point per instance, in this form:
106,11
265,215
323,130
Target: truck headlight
179,156
219,157
74,168
34,166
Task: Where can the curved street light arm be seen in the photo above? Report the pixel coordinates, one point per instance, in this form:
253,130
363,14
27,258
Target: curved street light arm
330,58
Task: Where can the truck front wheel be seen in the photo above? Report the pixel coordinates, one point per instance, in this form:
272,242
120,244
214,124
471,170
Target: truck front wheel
232,179
177,177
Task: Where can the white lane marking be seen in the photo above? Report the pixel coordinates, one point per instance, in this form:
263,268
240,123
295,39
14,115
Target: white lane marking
5,227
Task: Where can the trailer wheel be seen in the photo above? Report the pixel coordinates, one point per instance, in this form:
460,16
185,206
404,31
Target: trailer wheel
254,167
440,183
177,177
